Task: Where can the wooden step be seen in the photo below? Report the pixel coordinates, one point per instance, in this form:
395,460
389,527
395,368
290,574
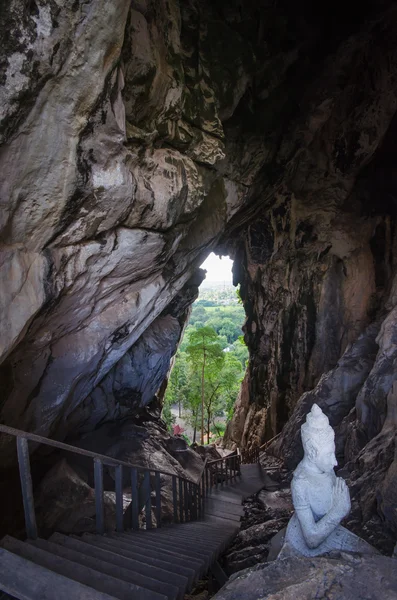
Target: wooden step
182,549
26,580
127,563
140,574
197,536
87,576
126,549
203,548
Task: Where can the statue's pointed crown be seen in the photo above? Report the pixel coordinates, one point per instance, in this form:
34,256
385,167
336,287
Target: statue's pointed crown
317,427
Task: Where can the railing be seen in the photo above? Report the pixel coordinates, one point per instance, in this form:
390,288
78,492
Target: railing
222,471
187,496
267,444
250,456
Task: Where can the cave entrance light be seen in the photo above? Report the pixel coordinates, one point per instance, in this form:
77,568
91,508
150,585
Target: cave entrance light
211,359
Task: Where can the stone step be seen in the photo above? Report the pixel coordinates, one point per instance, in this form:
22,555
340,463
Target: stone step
140,574
85,575
27,580
128,563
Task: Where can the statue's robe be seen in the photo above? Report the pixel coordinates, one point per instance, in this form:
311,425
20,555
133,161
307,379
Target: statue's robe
313,491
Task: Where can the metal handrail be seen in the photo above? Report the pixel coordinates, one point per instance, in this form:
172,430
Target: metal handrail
216,460
187,495
251,455
266,444
106,460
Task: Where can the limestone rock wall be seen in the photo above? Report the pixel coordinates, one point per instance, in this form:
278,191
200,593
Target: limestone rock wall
136,137
112,133
315,250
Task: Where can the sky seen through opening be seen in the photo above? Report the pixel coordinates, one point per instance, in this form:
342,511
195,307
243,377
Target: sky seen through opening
218,269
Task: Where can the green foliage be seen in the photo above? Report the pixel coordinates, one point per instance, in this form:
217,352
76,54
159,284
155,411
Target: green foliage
218,429
210,364
240,350
168,417
203,348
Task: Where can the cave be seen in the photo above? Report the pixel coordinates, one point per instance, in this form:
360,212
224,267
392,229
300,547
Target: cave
138,137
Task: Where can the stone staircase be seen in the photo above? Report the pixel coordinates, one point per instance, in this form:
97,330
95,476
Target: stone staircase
158,564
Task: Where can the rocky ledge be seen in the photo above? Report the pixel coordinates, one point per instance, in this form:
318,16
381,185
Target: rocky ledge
342,576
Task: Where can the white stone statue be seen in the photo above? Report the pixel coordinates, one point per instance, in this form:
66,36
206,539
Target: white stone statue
321,500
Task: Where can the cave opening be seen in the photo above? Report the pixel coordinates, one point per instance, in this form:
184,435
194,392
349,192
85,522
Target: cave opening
211,360
264,129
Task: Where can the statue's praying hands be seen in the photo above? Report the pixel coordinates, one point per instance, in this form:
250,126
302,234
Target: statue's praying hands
341,498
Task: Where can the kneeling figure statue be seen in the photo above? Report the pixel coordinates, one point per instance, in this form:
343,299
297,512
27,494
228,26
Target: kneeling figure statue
321,500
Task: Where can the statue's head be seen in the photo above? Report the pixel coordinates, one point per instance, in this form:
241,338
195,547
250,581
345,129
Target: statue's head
318,440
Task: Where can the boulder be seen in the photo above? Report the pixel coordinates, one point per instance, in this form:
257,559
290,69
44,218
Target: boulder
66,503
247,557
342,576
259,534
211,452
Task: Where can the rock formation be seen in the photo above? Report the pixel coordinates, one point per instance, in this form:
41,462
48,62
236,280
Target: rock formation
137,137
343,576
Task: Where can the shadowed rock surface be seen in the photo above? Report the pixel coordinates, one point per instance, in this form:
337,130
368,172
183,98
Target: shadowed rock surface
345,576
136,138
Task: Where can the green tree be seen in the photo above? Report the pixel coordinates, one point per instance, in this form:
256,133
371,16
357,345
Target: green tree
167,415
230,330
223,385
198,314
192,400
205,355
177,382
240,350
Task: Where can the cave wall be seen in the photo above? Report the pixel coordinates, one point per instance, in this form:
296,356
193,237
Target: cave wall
136,137
314,251
112,137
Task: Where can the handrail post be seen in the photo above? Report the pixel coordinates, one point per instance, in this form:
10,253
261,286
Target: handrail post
119,498
158,499
148,500
191,501
222,481
174,499
134,499
181,519
27,487
186,498
198,500
99,505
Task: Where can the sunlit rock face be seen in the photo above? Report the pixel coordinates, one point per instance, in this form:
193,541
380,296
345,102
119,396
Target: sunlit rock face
116,184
